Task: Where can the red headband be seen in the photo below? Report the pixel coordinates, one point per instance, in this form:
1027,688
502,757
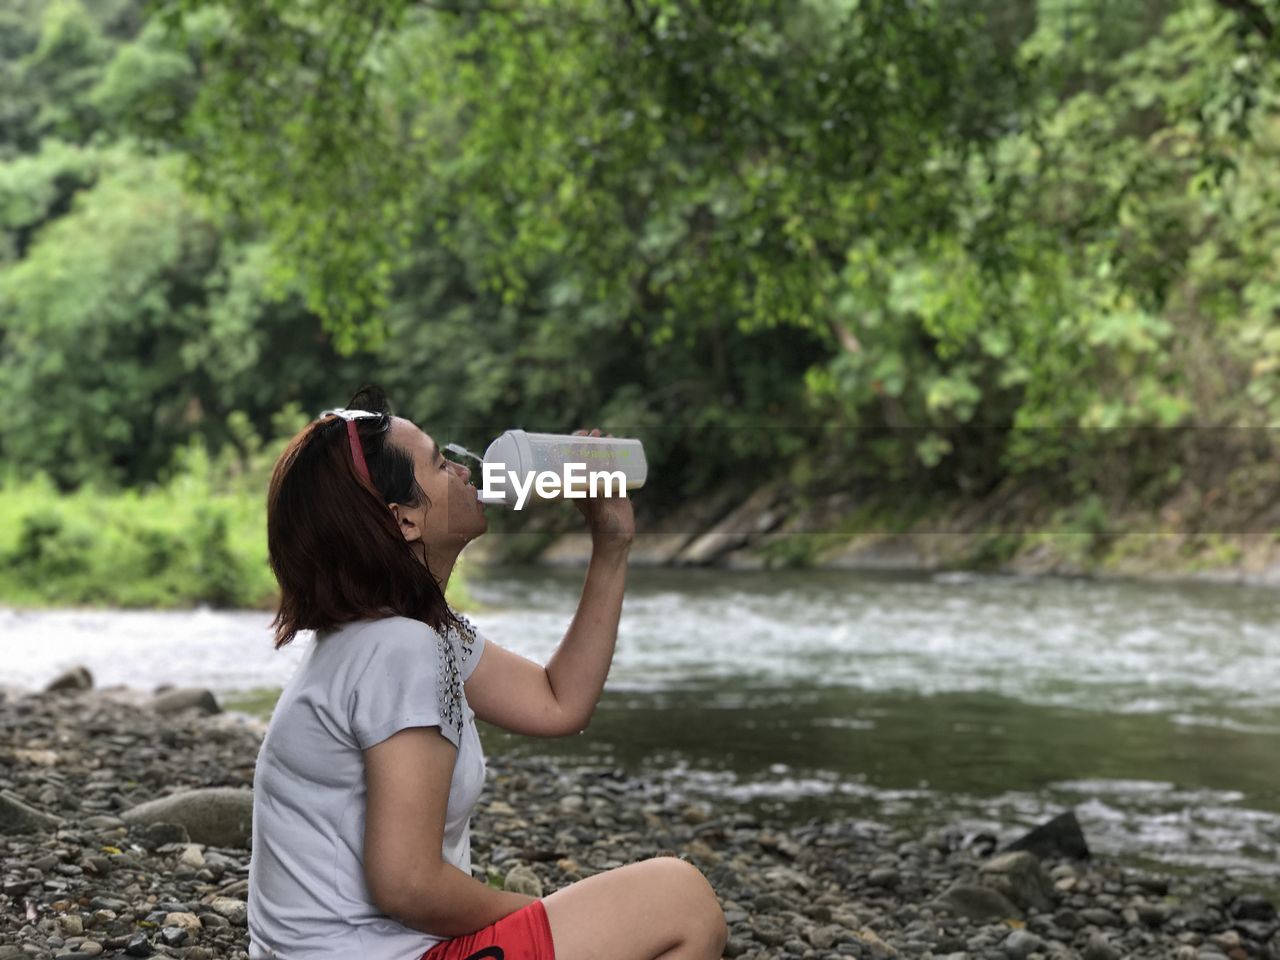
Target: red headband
357,452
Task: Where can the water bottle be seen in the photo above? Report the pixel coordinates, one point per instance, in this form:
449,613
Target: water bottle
520,468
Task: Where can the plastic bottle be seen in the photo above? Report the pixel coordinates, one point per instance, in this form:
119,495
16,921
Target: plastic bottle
520,468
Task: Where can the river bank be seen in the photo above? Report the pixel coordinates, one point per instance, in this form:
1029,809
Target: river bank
1012,530
110,876
193,543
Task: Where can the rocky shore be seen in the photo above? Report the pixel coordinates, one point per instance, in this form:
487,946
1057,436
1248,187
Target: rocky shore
124,831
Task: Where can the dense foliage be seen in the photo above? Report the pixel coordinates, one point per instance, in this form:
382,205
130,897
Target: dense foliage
955,242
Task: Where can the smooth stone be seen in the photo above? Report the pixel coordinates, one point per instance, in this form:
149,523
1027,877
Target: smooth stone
886,877
16,816
236,911
1100,948
1020,944
157,835
1250,906
186,698
1151,914
824,937
186,921
77,678
977,903
522,879
1020,878
215,816
71,925
1100,917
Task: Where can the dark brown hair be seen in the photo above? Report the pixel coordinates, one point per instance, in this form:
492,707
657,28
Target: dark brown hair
334,547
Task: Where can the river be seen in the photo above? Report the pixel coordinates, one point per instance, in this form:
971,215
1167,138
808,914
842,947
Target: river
982,703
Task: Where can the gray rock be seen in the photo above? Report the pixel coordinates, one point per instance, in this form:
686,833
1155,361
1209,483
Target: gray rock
77,678
1100,916
1020,944
235,911
1151,914
1068,919
976,903
158,834
824,937
17,817
1060,837
216,816
886,877
1100,948
1250,906
185,698
173,936
1020,878
522,879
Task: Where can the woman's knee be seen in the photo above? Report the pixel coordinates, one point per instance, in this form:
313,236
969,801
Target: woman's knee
701,907
614,913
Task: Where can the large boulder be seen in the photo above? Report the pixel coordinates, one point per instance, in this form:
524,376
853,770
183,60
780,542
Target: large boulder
216,816
1060,837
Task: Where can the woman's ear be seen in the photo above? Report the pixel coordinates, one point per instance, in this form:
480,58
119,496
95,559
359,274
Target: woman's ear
408,520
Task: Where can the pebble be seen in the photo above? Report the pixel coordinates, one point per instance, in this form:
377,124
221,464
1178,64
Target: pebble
1020,944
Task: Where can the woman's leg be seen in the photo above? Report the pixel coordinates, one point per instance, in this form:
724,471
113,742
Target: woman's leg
660,909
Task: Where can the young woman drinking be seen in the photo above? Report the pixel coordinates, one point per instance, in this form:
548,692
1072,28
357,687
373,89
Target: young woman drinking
372,763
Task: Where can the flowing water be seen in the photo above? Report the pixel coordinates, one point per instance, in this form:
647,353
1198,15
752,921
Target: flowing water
974,702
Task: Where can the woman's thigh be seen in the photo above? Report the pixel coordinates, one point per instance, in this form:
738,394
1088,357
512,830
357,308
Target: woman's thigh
637,912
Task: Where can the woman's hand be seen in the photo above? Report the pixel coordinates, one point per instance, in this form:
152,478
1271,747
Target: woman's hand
611,519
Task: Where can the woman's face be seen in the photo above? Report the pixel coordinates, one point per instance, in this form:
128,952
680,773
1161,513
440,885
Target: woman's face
455,515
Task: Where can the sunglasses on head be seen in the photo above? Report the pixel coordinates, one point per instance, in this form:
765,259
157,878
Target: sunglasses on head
353,438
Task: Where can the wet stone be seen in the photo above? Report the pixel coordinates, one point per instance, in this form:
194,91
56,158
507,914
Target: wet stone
138,946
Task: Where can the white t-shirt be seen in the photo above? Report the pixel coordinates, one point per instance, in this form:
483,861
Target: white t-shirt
354,688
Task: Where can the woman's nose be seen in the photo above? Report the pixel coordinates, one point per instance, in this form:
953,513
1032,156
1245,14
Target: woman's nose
464,472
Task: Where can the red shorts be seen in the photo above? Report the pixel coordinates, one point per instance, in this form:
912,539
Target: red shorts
523,935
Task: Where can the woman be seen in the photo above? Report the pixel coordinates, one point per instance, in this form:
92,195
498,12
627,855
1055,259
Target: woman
372,764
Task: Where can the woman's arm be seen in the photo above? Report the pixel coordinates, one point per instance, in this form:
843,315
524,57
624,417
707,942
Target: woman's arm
519,695
407,777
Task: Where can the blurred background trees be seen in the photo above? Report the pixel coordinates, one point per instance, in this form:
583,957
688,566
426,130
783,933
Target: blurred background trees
836,240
